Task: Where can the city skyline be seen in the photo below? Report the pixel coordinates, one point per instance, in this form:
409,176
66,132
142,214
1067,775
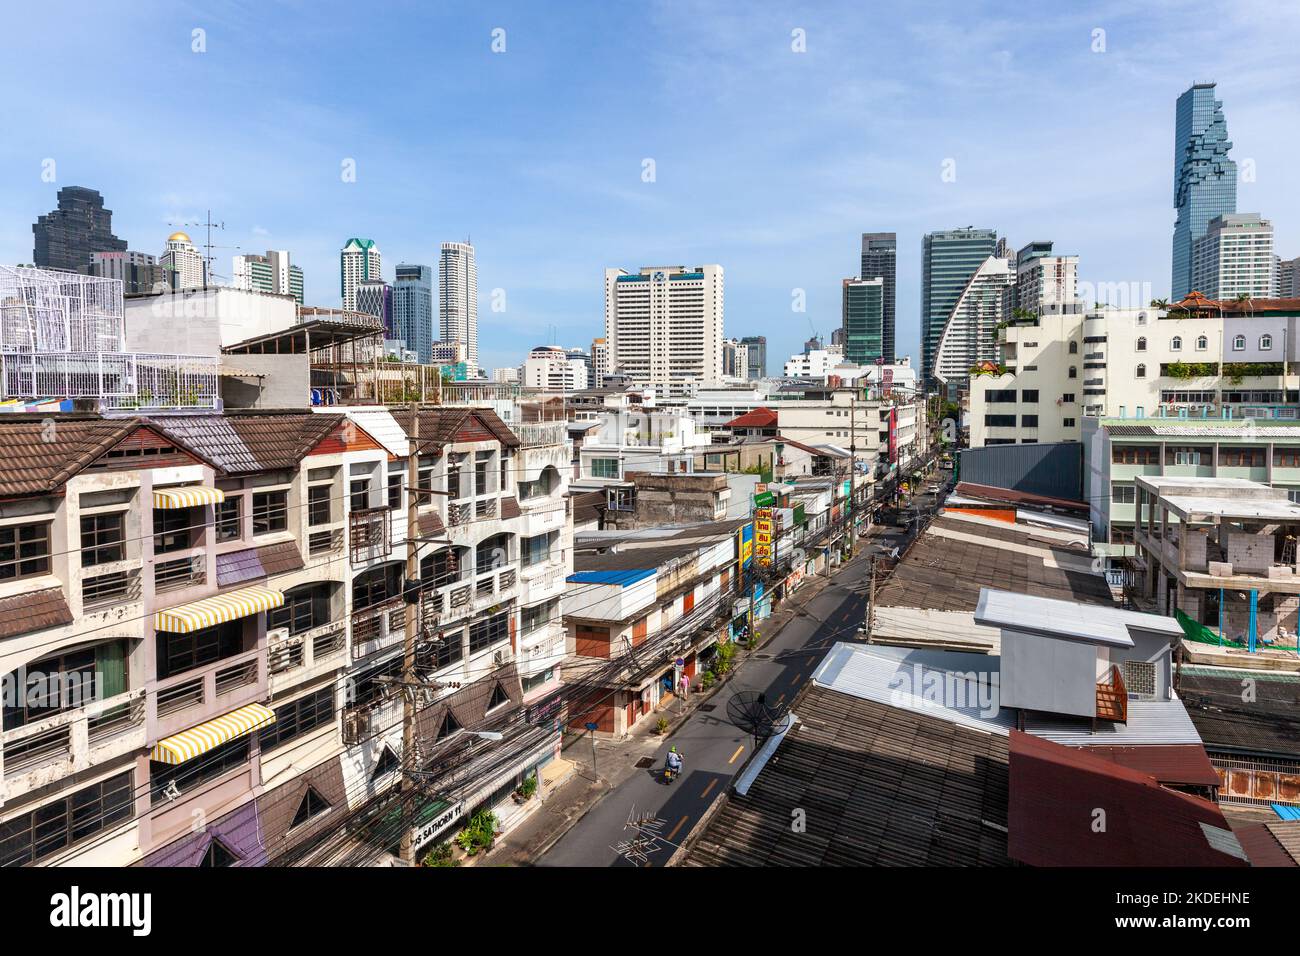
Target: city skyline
414,190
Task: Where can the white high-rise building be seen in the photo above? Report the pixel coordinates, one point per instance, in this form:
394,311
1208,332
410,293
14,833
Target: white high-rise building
599,361
1235,257
183,257
273,272
458,298
970,334
663,325
359,261
1046,284
551,367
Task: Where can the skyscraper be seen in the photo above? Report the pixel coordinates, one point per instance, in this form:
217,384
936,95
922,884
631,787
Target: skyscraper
1288,277
359,261
599,361
756,351
183,258
948,260
1046,284
273,272
880,260
969,336
80,226
863,320
413,309
137,271
458,298
375,297
664,325
1205,179
1235,257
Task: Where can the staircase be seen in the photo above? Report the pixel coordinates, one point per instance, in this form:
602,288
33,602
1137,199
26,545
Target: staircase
1112,697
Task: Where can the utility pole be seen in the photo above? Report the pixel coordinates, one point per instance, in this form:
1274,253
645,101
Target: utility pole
853,461
871,601
412,607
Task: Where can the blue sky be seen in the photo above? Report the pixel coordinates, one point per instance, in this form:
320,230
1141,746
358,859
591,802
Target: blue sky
767,161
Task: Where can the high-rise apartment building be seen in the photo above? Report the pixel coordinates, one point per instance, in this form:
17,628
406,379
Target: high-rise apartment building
948,261
862,317
80,226
183,258
137,271
599,361
1235,257
359,261
413,309
273,272
969,337
1046,284
880,260
555,369
735,359
756,353
1205,179
458,298
664,325
1288,277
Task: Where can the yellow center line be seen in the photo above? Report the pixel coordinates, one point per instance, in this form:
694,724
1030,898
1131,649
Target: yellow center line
736,754
781,698
797,678
680,823
709,789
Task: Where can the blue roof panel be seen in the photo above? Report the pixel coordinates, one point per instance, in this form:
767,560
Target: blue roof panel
621,578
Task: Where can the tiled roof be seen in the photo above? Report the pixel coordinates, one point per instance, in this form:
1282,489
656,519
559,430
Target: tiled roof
1051,819
35,611
236,567
510,507
757,418
430,524
440,426
38,457
239,444
885,785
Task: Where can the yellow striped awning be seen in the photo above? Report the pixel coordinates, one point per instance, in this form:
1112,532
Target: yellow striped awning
187,497
215,610
191,743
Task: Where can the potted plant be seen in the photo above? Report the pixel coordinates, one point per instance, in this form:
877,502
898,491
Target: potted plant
661,726
479,834
524,792
440,855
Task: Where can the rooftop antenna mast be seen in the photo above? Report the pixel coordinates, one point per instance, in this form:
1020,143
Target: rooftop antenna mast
208,225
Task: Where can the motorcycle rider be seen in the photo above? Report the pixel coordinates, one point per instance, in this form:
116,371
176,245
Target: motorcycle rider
674,760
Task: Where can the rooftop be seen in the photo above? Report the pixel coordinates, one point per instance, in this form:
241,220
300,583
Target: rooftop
1068,619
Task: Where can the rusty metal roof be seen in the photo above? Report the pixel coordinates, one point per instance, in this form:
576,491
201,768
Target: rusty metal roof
240,444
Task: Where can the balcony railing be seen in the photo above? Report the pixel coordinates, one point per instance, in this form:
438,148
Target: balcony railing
113,587
227,683
541,434
370,534
62,736
1112,697
178,574
325,542
375,624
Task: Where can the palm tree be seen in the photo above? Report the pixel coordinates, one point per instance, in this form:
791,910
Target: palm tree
1160,303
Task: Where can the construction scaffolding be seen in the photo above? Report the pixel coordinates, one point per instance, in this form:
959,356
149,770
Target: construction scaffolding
43,310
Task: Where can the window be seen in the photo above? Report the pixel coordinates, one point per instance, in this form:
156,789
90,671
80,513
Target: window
217,856
1000,396
1123,494
1141,371
1139,678
178,653
536,549
172,529
1286,457
1074,372
1029,421
1176,343
192,774
394,490
1135,454
313,805
537,680
229,519
319,505
537,616
32,837
1067,398
454,489
1265,342
1000,421
1188,455
1067,422
1202,343
376,585
299,717
483,634
1238,343
1029,395
499,697
64,681
1074,348
270,511
388,763
1238,457
482,473
492,553
360,494
425,468
441,567
305,607
449,726
604,467
1141,344
102,539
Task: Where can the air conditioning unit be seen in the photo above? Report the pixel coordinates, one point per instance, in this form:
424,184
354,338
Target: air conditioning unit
277,635
503,656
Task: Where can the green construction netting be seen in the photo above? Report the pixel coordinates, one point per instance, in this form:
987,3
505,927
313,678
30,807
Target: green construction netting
1196,631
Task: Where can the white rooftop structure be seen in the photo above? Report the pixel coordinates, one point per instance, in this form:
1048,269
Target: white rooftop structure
1054,617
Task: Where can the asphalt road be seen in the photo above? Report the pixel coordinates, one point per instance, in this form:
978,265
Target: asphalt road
715,744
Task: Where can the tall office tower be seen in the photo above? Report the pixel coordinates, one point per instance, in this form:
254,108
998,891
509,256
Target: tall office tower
79,227
837,338
413,309
1235,257
664,325
948,261
458,298
1288,277
599,361
273,272
970,334
375,297
137,271
359,261
1205,179
862,318
735,358
756,352
880,260
1046,284
183,258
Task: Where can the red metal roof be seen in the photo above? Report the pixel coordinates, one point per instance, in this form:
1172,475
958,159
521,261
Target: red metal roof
1172,765
993,493
1260,842
758,418
1069,807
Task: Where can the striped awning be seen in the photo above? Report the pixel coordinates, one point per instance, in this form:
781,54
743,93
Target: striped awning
187,497
215,610
191,743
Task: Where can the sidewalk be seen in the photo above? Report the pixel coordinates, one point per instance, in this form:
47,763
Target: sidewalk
616,759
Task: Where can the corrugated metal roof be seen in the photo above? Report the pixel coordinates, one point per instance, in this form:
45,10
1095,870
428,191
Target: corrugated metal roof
1049,469
1060,618
1286,812
379,424
620,578
1149,722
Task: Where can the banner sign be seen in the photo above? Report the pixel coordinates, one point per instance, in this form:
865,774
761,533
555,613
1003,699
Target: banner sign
763,535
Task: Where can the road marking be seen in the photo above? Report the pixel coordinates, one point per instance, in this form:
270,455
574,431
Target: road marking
680,823
709,789
781,698
797,678
736,754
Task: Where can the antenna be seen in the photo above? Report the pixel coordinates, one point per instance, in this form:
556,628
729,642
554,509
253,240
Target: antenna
209,225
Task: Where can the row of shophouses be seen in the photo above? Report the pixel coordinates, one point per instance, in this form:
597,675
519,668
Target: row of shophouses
202,623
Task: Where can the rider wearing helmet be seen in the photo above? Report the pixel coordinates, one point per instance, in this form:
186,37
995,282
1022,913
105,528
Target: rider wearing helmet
674,760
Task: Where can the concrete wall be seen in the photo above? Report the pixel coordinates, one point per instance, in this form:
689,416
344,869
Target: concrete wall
286,382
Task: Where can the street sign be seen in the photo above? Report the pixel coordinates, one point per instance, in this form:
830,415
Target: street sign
591,726
680,662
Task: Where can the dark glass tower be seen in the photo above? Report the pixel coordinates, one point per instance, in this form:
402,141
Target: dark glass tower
948,260
80,226
863,320
1205,179
880,260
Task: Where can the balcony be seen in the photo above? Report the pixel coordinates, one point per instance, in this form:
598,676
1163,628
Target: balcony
541,434
1112,697
110,589
293,659
46,751
370,535
183,700
325,542
179,574
378,627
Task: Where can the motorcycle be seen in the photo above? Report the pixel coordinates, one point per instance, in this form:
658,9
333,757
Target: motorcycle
671,773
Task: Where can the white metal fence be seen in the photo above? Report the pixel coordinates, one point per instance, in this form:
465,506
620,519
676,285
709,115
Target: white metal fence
120,380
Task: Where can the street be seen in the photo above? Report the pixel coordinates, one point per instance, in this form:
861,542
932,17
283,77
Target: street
715,745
